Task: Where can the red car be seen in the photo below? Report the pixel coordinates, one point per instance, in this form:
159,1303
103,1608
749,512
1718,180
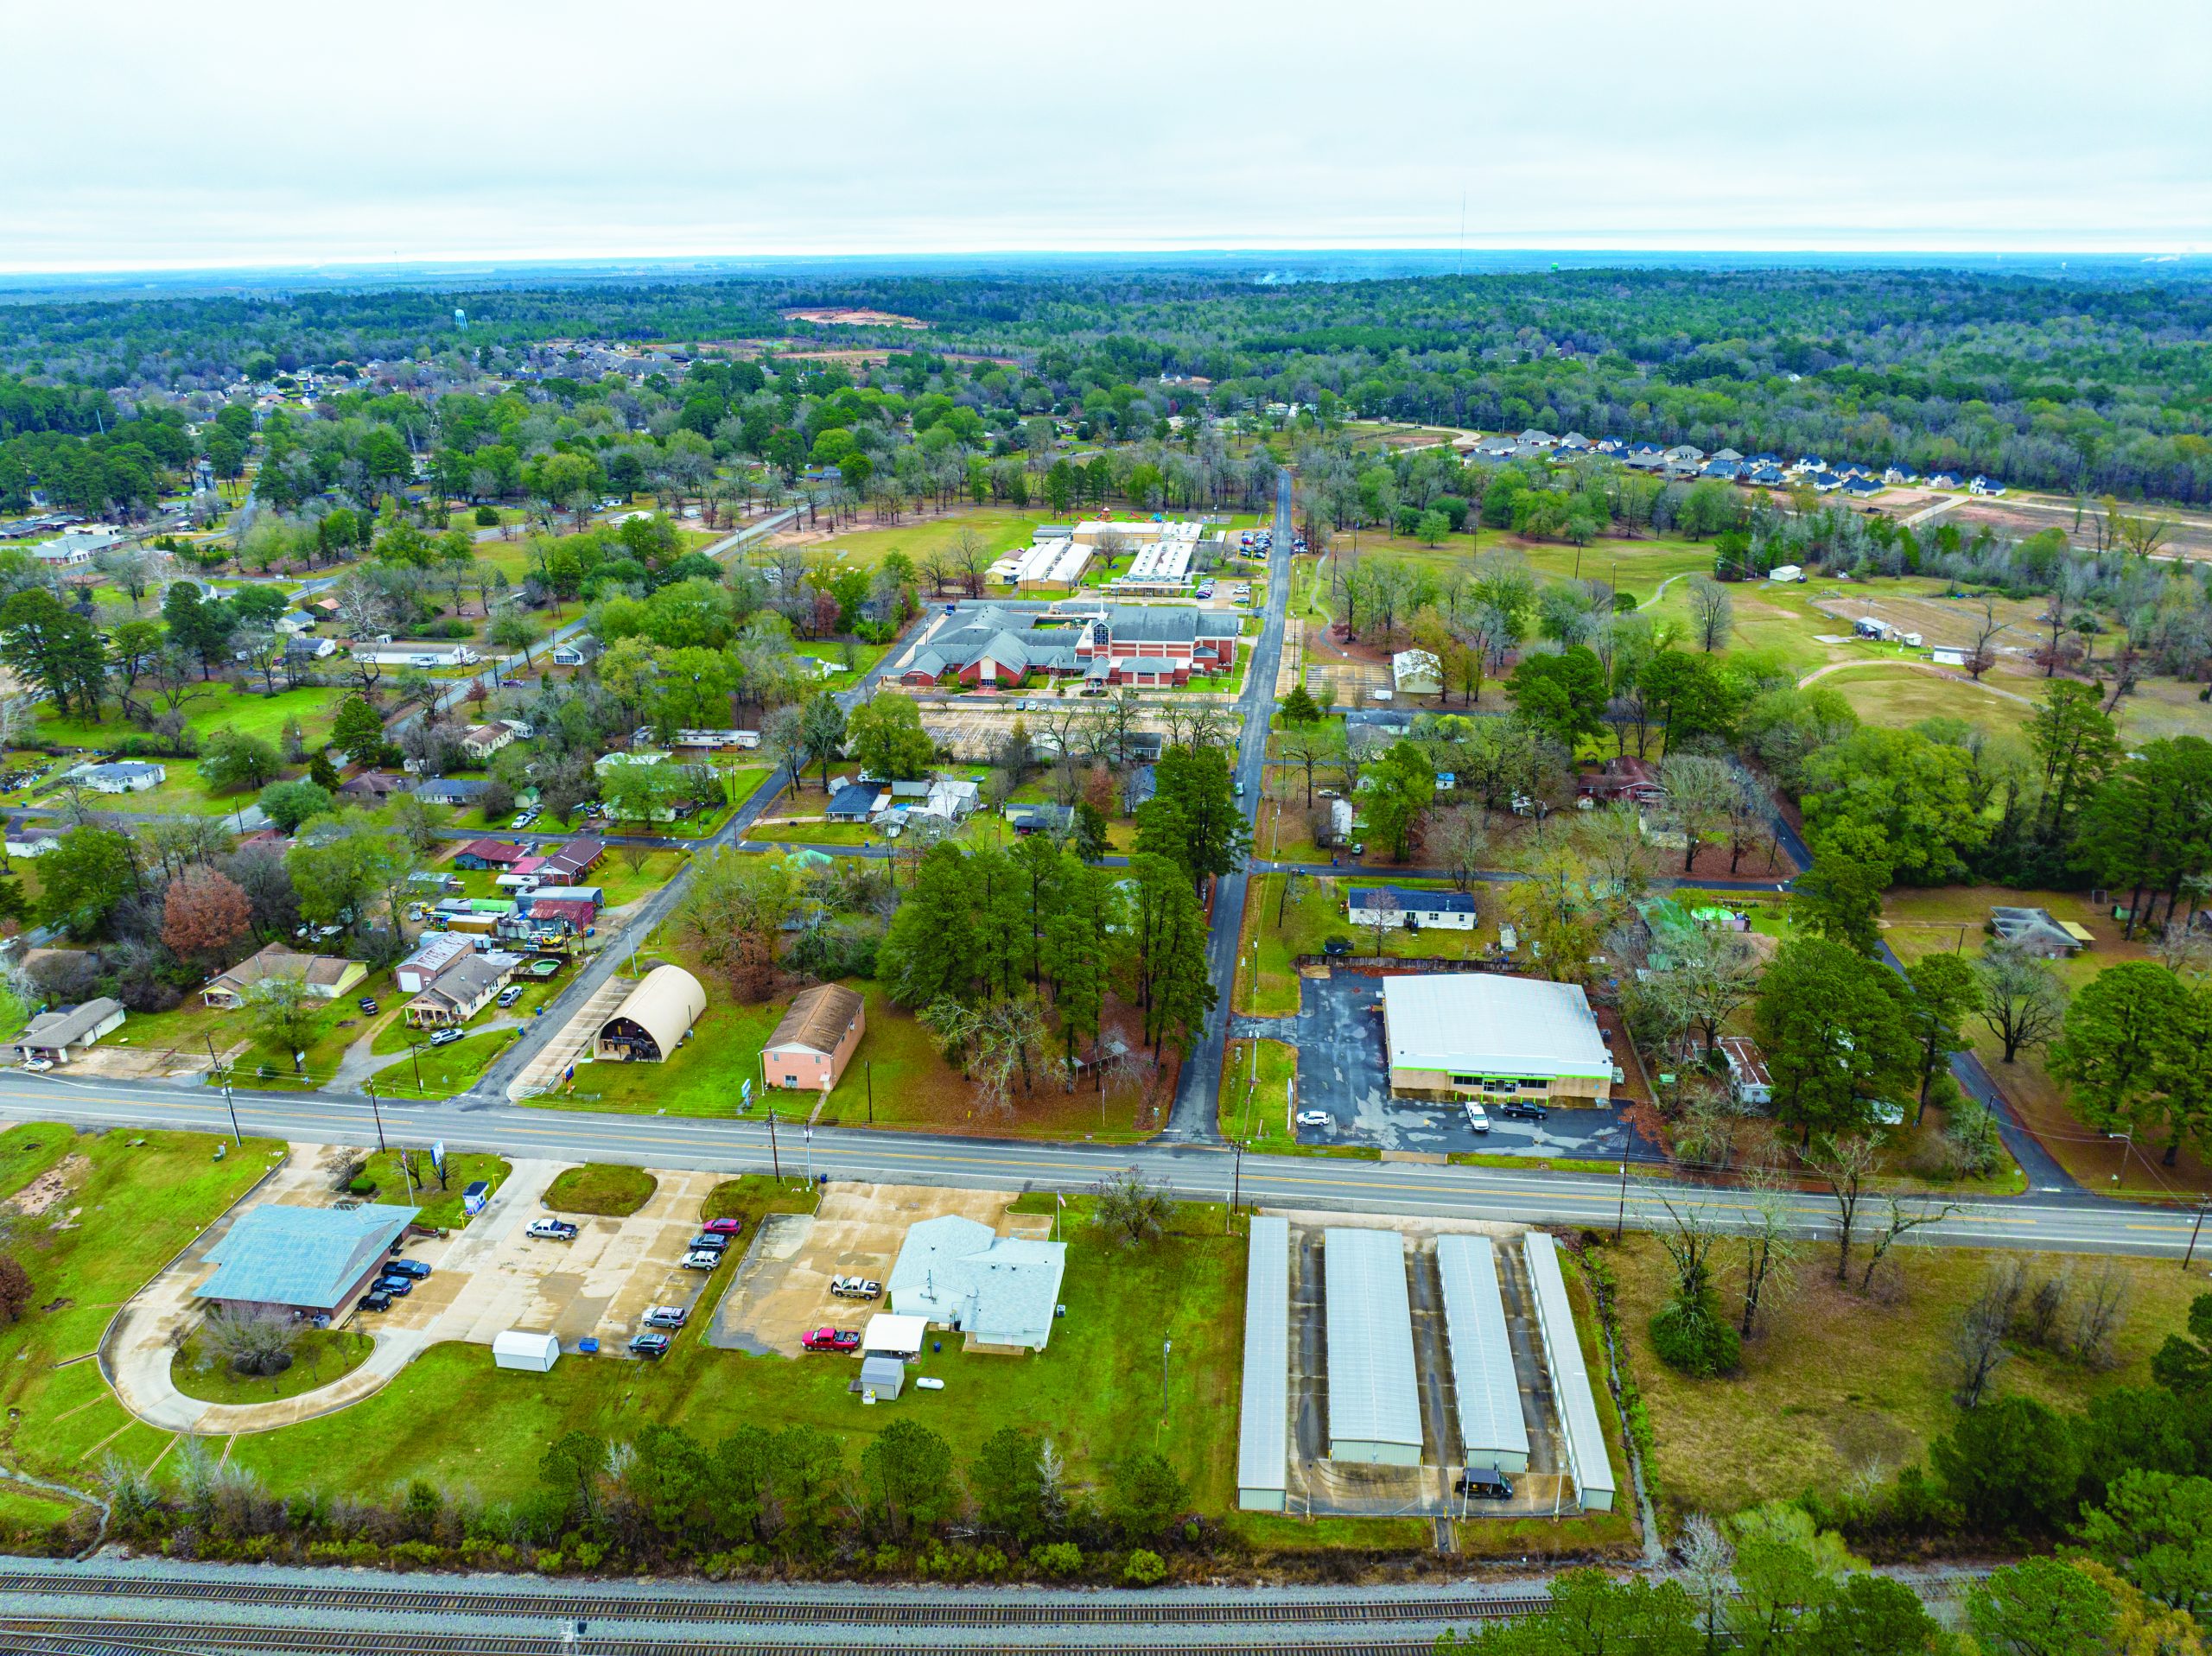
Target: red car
832,1339
722,1227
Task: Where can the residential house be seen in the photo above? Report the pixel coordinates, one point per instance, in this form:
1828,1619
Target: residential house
1025,819
441,952
1824,482
1897,472
1944,480
1728,456
57,1037
119,776
815,1039
479,742
452,791
1392,906
1860,488
305,647
855,802
461,991
575,652
1684,454
1766,475
325,976
950,799
1533,438
1809,463
2039,933
1747,1074
479,854
1724,471
73,547
373,788
1624,778
1573,443
1988,485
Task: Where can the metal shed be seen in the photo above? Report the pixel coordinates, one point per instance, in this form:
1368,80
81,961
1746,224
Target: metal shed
1584,1438
1374,1408
885,1376
1491,1430
513,1349
1264,1420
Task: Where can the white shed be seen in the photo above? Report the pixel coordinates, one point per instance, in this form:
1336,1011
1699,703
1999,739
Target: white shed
517,1349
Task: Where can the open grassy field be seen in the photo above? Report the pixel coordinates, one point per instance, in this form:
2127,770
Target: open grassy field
1001,528
150,1192
1838,1384
215,707
189,1026
1901,696
455,1419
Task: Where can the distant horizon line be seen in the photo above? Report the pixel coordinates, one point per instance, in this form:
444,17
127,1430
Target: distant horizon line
468,265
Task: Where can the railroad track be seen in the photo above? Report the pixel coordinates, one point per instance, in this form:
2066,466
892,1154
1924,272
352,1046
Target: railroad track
1103,1610
91,1636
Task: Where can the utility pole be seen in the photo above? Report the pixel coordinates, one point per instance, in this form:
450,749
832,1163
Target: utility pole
415,1053
1236,1189
379,1114
2193,1231
808,1133
775,1160
1620,1214
221,1072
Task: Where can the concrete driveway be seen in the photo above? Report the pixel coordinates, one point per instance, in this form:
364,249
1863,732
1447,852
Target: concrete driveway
1338,1035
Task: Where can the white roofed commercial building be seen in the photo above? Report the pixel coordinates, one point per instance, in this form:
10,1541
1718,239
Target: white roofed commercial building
1492,1432
1374,1408
1263,1418
1473,1034
1588,1460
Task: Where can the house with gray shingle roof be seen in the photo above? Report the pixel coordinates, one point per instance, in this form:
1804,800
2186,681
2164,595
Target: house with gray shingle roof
999,1291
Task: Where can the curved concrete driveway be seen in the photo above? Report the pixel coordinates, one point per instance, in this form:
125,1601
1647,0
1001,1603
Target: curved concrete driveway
143,1344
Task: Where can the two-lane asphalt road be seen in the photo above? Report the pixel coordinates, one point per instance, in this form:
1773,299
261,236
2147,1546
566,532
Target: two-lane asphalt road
1199,1172
1192,1118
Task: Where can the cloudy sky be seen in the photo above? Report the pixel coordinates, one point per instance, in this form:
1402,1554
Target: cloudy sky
166,136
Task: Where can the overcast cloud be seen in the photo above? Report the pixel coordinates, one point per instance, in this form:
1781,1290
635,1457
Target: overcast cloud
169,135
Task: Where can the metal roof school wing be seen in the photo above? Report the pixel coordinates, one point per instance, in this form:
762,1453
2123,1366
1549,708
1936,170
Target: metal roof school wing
1491,1430
1263,1424
1374,1409
1585,1439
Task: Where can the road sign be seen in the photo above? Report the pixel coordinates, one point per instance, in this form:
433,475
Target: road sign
438,1160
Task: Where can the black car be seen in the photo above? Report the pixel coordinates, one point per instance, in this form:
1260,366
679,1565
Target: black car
1482,1483
1518,1109
397,1287
709,1240
367,1004
413,1268
376,1300
649,1345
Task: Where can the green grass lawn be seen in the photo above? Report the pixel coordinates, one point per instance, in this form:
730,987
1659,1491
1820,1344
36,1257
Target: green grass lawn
622,884
452,1418
1315,914
598,1188
436,1203
441,1071
322,1356
1897,696
1001,528
1256,1093
188,1027
136,1199
213,708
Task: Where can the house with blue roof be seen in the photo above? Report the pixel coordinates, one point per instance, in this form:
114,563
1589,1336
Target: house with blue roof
285,1258
998,1291
1389,907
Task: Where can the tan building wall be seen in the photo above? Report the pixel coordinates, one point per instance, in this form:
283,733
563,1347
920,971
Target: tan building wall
1433,1084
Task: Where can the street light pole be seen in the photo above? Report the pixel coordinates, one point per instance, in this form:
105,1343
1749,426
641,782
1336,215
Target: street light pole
808,1136
1236,1189
1620,1214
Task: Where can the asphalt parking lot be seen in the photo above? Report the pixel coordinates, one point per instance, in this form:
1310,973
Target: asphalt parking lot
1341,1070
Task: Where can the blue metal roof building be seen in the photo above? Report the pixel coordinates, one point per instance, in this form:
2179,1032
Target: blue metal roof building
307,1258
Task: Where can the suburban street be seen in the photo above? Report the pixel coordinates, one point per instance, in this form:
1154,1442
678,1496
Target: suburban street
1192,1118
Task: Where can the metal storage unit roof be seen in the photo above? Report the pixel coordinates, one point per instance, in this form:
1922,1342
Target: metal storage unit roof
1585,1439
1263,1422
1491,1430
1374,1408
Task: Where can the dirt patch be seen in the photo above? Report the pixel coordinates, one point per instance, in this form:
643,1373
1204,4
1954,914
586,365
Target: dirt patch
45,1191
